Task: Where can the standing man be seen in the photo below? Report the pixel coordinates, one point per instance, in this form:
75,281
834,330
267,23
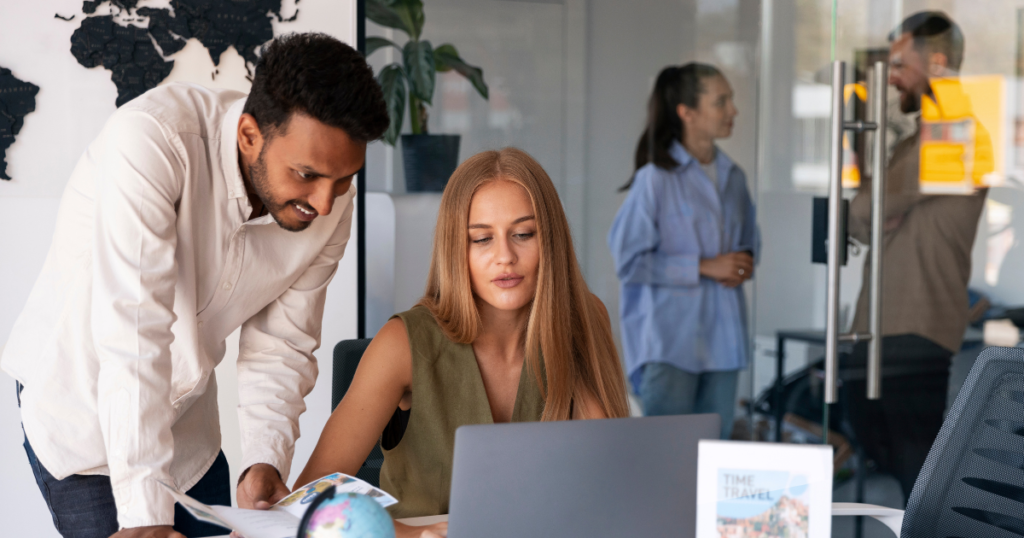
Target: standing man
926,247
195,212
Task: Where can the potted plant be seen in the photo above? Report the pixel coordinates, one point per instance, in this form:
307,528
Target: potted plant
429,159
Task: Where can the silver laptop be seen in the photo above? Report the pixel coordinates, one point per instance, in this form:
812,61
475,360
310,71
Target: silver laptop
586,478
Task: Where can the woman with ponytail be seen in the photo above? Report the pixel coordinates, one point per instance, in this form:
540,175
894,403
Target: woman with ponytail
684,242
506,331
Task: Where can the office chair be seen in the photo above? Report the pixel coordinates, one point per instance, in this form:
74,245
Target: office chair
972,483
347,354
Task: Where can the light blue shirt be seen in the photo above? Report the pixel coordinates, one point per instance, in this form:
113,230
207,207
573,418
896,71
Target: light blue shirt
669,222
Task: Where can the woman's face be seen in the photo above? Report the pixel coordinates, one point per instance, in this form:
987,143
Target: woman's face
504,250
715,110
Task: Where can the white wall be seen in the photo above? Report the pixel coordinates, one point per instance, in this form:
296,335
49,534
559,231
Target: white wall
70,109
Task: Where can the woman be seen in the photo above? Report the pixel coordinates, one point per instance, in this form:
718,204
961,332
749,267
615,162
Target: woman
507,331
684,241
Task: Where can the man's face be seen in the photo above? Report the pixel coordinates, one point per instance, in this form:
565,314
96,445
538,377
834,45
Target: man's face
908,72
301,169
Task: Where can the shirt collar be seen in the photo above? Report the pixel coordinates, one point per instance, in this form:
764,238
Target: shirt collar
683,157
679,153
229,150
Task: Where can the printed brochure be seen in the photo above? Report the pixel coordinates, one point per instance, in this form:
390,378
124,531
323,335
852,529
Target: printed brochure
281,520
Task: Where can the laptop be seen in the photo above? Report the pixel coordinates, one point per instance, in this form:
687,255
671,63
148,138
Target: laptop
584,478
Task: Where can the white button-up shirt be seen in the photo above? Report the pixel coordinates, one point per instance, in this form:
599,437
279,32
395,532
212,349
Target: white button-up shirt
153,264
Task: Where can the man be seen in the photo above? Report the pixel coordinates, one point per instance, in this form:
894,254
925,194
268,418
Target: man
926,248
193,213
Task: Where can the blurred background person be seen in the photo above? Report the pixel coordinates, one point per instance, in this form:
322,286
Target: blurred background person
684,242
926,248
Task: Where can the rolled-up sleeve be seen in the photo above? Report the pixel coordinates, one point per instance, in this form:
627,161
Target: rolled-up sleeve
634,240
276,366
134,276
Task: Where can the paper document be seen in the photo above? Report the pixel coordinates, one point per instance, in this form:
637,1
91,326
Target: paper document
282,520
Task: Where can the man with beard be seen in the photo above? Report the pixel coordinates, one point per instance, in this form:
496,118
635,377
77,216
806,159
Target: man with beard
926,248
195,212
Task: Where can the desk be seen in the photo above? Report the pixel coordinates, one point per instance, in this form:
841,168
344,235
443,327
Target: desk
425,520
972,337
809,336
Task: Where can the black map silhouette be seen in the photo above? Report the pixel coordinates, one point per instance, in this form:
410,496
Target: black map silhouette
135,63
17,99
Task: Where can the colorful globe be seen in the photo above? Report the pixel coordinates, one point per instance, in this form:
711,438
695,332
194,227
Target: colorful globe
347,515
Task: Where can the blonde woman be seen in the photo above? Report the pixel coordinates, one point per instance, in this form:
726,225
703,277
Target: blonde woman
507,331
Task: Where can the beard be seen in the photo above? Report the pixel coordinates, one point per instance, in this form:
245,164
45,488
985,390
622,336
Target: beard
910,102
261,184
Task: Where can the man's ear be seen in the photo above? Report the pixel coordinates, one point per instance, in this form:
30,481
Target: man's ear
250,139
937,63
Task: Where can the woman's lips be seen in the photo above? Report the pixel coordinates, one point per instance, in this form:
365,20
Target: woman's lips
508,280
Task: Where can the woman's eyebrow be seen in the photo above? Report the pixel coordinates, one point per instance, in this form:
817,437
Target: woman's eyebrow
517,221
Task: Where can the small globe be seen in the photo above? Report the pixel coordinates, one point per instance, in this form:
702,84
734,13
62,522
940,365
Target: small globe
347,515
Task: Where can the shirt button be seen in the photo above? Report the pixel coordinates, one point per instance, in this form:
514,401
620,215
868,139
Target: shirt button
227,286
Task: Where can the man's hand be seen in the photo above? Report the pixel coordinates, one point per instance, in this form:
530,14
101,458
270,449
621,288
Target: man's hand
162,531
261,487
729,270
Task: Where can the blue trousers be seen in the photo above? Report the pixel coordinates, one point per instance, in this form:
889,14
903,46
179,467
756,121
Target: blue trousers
667,390
83,506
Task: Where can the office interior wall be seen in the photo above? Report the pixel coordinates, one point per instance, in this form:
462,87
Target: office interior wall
55,134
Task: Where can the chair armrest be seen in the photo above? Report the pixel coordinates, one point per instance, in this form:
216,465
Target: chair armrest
890,517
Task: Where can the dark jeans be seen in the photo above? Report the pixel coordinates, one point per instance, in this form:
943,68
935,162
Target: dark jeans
83,506
898,430
667,390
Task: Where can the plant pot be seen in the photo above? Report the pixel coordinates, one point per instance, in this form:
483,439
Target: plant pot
429,161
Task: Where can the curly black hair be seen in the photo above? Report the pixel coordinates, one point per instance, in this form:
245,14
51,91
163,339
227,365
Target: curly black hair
320,76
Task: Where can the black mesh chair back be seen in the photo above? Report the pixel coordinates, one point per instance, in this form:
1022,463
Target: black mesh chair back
346,359
972,483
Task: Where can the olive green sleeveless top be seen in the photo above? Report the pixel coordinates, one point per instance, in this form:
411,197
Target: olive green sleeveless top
447,392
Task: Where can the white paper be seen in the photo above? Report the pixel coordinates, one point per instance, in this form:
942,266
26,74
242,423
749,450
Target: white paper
281,520
784,489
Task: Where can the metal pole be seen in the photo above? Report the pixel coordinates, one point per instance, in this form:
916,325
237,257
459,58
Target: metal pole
879,98
834,235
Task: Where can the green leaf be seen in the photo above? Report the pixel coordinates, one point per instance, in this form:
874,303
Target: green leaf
380,12
411,13
374,43
447,58
418,57
440,53
392,82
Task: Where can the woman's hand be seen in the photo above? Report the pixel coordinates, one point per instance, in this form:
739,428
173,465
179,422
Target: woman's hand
729,270
437,530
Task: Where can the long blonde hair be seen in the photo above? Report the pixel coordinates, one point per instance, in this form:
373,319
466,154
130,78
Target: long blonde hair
567,326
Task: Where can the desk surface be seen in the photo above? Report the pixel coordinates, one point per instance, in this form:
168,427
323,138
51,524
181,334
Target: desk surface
425,520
